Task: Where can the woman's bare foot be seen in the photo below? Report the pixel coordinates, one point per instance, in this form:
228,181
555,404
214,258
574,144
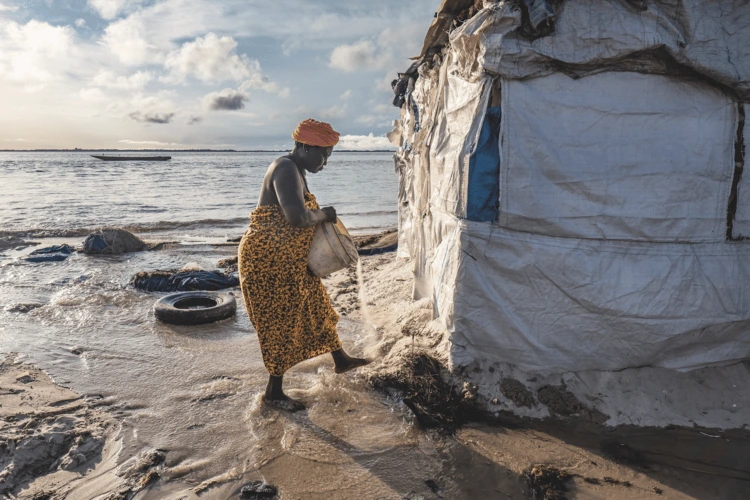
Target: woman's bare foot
275,397
343,362
284,403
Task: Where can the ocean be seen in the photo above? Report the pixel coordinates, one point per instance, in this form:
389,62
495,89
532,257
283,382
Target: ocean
193,194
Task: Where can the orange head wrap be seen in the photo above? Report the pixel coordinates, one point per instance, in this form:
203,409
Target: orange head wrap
315,133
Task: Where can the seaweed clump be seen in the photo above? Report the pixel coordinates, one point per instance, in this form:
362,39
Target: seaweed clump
547,483
436,404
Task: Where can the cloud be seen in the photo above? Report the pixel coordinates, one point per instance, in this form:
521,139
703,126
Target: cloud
381,116
213,59
148,143
127,40
93,94
364,142
34,52
160,118
375,120
109,9
360,55
210,59
156,108
194,120
260,82
335,111
227,99
88,85
108,79
80,23
8,8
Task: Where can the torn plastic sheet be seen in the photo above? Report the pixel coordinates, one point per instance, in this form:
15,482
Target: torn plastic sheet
539,12
617,156
455,134
552,305
591,35
741,226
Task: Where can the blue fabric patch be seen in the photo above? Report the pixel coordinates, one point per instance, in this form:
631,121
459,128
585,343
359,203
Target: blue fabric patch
94,244
484,171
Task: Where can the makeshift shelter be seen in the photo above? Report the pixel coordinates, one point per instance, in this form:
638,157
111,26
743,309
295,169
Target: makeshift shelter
571,191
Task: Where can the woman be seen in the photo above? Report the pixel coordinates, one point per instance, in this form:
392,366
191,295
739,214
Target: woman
287,304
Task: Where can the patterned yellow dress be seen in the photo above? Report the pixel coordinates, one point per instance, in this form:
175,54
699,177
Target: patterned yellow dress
287,304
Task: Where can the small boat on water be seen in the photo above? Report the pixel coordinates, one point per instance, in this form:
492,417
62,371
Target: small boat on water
133,158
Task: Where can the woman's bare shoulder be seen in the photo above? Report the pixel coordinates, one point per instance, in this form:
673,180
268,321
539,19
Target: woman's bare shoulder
283,170
282,164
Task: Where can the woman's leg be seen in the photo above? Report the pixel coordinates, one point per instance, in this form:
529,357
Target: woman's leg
275,395
344,362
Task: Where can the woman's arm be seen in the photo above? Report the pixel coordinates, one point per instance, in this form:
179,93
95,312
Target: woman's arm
290,193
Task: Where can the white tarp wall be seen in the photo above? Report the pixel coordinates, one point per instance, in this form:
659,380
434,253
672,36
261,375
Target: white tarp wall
617,156
553,305
609,250
585,163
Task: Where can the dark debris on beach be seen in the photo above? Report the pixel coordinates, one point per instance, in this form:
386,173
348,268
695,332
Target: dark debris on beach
436,403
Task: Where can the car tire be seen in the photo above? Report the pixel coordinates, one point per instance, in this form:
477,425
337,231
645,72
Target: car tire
195,308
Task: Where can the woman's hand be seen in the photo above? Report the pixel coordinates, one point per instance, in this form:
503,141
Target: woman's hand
330,214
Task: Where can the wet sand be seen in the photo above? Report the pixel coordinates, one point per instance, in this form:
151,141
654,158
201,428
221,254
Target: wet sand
352,441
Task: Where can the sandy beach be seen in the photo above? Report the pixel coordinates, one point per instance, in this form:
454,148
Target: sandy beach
360,436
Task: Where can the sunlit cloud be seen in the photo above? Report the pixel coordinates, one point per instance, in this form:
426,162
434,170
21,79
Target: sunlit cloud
364,142
147,143
92,94
210,59
358,56
127,40
33,52
108,79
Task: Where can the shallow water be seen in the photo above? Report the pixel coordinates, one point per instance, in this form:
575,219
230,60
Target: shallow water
193,390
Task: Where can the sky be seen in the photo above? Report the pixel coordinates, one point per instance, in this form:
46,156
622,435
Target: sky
216,74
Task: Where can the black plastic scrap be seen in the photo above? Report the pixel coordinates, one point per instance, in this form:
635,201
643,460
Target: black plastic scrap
258,490
55,253
183,281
